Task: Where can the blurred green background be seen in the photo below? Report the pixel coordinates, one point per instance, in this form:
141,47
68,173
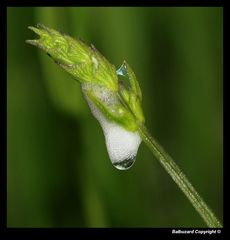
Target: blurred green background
58,170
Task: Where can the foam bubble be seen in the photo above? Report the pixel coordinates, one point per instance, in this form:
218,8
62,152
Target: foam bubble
122,145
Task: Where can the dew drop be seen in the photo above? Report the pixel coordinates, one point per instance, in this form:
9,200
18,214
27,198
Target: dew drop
122,71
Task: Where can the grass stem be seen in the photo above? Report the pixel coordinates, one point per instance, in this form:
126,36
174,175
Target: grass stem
177,175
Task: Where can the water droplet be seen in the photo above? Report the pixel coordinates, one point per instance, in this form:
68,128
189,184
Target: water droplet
122,71
125,164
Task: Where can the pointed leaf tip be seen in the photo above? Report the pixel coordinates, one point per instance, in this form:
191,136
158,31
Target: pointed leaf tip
36,30
32,42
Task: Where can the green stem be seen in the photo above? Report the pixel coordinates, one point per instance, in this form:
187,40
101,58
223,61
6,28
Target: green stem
180,179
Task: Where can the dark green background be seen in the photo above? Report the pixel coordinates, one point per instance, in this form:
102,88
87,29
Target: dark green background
58,170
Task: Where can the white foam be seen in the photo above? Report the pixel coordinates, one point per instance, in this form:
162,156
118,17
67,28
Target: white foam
121,144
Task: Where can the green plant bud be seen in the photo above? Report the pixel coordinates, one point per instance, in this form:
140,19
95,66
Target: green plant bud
83,62
99,78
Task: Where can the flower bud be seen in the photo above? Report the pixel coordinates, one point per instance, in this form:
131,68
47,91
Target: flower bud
116,104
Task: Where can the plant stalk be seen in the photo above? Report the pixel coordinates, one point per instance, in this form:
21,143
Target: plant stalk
177,175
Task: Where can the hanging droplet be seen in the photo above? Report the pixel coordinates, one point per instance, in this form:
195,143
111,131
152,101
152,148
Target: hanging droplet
125,164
